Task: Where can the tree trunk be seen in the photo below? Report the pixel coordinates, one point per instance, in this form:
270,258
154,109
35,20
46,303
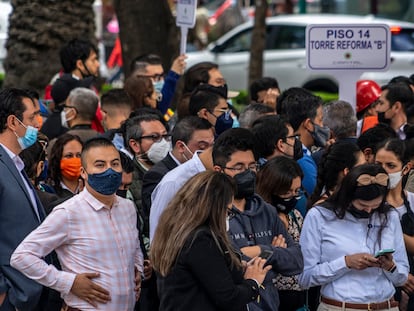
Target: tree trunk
258,42
146,26
37,31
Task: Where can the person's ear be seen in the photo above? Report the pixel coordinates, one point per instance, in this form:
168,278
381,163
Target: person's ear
79,65
180,146
135,146
407,168
83,173
39,168
203,113
367,153
279,145
217,168
12,122
308,125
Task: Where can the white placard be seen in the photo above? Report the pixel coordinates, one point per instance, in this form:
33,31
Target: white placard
359,47
186,13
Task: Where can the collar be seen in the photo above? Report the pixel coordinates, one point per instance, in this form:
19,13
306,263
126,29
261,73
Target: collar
174,158
18,162
94,202
81,127
306,150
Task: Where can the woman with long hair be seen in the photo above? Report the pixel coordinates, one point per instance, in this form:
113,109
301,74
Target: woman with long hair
65,165
393,156
279,184
196,265
341,240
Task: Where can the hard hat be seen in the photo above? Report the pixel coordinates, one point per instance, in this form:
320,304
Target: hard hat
368,91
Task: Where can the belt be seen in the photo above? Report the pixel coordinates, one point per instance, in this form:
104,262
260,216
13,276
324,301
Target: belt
361,306
65,307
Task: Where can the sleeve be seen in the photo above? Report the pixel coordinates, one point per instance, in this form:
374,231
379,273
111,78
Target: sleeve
138,254
315,272
149,182
161,196
400,275
309,179
28,256
168,91
209,267
286,261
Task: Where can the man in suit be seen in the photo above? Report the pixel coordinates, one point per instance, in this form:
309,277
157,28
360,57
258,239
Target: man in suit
20,209
189,135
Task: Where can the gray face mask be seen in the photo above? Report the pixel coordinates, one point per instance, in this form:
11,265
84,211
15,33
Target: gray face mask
320,135
158,150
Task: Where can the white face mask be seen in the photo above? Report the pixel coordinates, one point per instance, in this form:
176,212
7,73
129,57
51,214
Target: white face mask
395,178
64,119
188,149
227,223
158,150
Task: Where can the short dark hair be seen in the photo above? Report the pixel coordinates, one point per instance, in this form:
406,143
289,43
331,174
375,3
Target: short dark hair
11,103
32,155
185,128
300,106
373,136
399,91
95,142
197,74
147,59
230,141
262,84
74,50
115,98
267,131
203,97
290,95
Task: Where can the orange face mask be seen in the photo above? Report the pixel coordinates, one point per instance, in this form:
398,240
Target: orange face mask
39,120
70,168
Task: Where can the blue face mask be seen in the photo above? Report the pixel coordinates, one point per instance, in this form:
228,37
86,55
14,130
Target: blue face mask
158,86
29,137
106,183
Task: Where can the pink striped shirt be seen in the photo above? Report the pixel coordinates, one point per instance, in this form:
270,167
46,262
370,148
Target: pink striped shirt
88,237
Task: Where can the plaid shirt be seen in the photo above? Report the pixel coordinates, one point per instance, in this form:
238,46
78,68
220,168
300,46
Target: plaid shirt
87,237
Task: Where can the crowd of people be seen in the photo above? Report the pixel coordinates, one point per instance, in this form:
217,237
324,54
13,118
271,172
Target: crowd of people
107,202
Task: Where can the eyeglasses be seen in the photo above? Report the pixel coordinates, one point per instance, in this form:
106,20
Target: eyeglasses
297,136
239,168
287,195
156,137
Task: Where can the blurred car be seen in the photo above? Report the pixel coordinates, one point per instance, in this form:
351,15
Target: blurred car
5,10
285,56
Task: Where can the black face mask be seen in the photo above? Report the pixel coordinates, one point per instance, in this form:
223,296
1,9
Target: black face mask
284,205
122,193
245,184
358,213
297,150
382,119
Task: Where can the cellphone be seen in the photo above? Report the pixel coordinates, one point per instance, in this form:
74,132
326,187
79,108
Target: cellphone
384,251
265,254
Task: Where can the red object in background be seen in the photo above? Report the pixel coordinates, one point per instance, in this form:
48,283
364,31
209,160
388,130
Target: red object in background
213,18
115,59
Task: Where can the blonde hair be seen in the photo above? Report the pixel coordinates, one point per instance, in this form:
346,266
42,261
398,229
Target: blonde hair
202,201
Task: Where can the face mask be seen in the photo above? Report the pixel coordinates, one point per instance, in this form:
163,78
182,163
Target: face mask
359,213
158,150
394,178
106,183
29,138
284,205
227,223
188,149
382,119
297,150
122,193
223,122
64,118
236,123
320,135
245,184
158,86
70,168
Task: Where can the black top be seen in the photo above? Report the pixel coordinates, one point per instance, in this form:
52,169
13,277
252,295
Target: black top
203,280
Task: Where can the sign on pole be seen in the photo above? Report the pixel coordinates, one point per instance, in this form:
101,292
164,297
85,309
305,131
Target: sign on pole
186,17
346,51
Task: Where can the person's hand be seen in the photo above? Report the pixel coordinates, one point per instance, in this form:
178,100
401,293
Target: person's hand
147,269
361,261
279,241
386,262
2,298
408,287
87,290
137,288
179,64
271,97
256,270
251,251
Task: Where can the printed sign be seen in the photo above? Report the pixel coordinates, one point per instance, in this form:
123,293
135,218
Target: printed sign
348,47
186,13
